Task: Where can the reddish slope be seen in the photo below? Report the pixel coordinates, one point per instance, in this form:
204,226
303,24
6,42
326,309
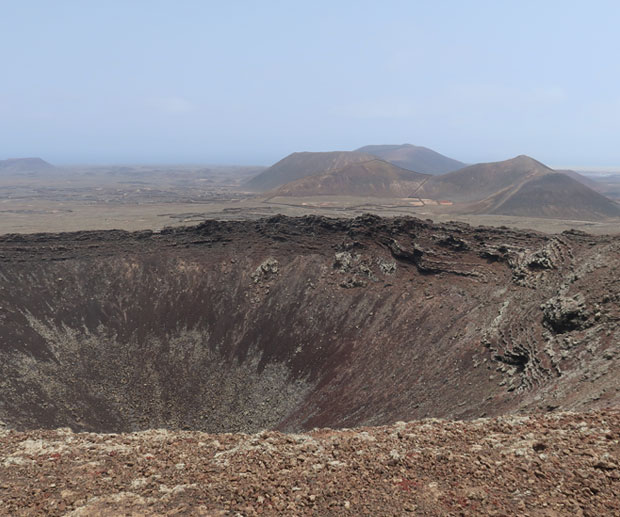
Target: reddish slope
555,196
483,179
372,178
521,186
300,165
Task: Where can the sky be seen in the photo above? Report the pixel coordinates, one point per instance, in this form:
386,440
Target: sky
248,82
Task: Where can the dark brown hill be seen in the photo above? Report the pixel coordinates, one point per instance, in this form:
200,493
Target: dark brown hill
521,186
299,165
584,180
482,180
607,184
556,196
24,165
414,158
372,178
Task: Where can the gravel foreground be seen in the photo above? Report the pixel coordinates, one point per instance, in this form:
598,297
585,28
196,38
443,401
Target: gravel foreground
542,465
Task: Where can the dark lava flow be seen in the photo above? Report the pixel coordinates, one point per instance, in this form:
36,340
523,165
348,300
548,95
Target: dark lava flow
294,323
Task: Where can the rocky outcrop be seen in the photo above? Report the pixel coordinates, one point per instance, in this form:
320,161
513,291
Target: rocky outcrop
562,314
266,269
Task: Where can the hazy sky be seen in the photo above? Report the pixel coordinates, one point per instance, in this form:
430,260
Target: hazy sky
249,82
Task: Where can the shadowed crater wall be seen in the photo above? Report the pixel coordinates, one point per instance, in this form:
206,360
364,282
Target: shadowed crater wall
293,323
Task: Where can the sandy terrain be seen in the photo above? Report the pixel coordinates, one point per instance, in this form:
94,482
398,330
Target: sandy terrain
35,215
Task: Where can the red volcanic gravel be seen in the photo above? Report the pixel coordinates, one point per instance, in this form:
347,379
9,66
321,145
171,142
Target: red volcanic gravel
538,465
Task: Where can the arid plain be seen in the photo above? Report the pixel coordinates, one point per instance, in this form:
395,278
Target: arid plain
154,197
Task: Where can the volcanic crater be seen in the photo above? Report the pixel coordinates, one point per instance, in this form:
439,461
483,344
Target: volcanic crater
296,323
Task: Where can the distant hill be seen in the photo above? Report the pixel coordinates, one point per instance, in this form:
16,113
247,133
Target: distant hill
584,180
554,195
24,165
479,181
414,158
299,165
370,178
520,186
608,185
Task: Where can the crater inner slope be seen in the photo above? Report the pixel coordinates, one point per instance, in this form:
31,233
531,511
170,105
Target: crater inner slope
294,323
